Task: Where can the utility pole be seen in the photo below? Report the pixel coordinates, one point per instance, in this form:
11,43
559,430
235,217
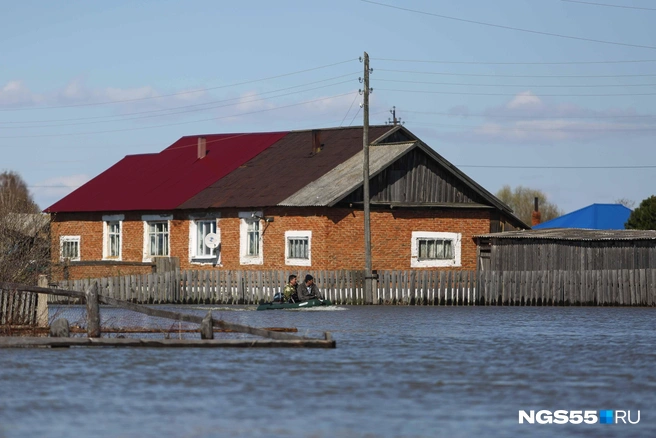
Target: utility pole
368,289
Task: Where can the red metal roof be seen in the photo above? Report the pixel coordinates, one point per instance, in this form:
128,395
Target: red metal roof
165,180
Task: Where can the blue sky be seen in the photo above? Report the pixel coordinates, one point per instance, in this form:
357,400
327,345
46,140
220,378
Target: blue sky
82,84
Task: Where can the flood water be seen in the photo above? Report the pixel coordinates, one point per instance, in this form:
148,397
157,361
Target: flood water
396,371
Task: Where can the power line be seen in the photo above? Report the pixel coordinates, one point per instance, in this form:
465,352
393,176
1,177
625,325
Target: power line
609,5
492,116
171,108
515,76
429,61
181,92
238,99
349,109
499,26
485,166
515,85
180,123
513,95
564,129
356,114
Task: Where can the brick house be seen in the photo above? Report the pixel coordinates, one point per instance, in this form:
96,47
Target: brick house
275,201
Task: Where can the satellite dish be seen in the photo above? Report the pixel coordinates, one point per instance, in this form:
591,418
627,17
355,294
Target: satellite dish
211,240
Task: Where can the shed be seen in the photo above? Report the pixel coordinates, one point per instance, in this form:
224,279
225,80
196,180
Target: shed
567,249
568,266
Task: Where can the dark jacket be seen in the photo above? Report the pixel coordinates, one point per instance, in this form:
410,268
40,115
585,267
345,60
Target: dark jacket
306,294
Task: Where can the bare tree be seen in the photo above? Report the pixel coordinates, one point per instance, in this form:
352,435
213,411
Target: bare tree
24,233
628,203
521,200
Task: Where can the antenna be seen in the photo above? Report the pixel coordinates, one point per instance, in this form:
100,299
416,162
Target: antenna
394,121
211,240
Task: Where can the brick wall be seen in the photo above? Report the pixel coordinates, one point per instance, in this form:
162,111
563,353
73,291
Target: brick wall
337,238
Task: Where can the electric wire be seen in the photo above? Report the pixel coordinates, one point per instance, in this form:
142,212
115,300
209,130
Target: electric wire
432,61
177,123
487,75
491,166
181,92
561,129
171,108
239,100
499,26
502,116
462,84
349,109
356,114
609,5
513,95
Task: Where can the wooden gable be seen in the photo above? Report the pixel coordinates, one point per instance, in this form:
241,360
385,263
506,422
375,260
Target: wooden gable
416,179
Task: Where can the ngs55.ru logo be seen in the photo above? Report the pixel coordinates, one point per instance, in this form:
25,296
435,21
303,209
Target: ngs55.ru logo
579,417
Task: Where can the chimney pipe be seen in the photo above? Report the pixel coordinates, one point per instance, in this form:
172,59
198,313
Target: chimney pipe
202,147
536,216
316,141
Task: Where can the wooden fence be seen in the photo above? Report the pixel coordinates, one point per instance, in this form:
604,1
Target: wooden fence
18,308
218,286
421,287
614,287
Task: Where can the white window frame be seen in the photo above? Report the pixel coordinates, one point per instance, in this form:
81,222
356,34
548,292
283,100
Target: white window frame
245,259
106,220
296,261
214,259
147,220
456,239
64,239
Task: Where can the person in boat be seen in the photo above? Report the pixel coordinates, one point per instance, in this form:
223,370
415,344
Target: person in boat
289,293
308,290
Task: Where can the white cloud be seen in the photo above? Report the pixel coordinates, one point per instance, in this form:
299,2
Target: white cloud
524,99
528,119
250,108
247,106
15,93
50,190
76,92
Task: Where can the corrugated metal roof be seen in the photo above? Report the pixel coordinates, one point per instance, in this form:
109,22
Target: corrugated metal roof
283,169
346,177
165,180
595,216
574,234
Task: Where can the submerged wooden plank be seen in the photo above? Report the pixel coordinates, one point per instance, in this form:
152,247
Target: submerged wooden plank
23,342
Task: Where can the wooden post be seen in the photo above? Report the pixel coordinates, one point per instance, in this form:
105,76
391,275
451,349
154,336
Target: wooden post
206,329
93,311
42,304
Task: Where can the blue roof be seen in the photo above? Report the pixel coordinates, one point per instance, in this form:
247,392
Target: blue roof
593,217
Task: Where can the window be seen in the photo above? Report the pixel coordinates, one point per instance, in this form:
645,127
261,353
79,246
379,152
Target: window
199,252
251,238
69,248
435,249
114,239
112,226
158,239
298,248
156,242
